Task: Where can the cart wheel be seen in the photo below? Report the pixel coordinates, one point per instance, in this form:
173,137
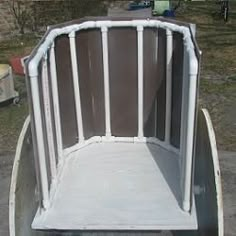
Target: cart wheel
16,100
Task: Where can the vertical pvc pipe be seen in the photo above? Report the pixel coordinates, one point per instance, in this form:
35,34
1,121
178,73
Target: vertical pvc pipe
140,81
189,142
184,116
169,52
55,98
187,137
106,80
76,86
48,119
40,141
156,61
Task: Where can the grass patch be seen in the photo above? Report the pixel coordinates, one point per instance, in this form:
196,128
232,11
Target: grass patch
12,118
219,98
216,38
19,46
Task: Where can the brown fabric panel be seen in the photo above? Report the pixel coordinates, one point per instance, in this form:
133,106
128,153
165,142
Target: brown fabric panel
97,81
122,45
177,78
151,79
65,90
161,93
90,66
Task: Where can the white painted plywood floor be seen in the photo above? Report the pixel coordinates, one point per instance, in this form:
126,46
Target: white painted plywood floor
122,186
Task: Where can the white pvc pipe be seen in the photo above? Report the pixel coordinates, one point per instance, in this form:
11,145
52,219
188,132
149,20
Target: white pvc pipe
189,142
184,115
99,24
169,52
106,81
140,81
48,119
104,139
55,98
189,132
40,141
75,73
156,61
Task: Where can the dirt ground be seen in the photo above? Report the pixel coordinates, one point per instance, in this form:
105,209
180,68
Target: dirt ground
216,40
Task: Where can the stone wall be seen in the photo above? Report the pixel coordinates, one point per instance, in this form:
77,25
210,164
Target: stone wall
7,24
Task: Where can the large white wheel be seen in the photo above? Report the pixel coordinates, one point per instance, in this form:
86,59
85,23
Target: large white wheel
207,181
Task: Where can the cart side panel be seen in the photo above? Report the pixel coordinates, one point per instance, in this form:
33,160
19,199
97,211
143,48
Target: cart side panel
123,71
65,89
23,202
90,68
207,182
151,79
177,78
161,93
207,176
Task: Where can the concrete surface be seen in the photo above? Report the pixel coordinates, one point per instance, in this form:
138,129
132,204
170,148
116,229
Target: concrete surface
228,170
6,162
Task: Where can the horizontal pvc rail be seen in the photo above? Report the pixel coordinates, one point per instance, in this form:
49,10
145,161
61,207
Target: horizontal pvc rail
49,40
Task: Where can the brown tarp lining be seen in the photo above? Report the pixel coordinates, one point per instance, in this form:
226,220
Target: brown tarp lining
161,93
66,91
90,67
122,47
177,77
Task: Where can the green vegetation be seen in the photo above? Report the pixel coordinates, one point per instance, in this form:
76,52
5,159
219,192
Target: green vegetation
219,98
217,40
12,118
17,46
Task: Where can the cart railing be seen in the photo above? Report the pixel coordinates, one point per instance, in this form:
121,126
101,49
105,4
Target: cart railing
47,124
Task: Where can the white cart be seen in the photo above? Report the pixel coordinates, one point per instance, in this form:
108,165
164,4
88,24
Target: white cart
7,90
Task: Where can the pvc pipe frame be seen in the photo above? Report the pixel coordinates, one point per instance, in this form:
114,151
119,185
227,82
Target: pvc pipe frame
188,109
169,52
106,81
48,119
40,142
140,81
76,86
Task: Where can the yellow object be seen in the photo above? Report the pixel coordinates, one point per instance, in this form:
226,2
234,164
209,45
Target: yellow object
4,70
7,90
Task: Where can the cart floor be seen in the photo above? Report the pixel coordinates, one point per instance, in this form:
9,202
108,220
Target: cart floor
118,186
